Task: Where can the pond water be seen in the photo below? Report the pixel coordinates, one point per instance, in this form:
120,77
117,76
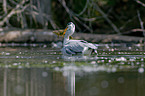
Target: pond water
39,70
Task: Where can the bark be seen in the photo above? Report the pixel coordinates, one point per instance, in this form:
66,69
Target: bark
49,36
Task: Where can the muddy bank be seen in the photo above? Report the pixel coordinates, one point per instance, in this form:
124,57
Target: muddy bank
49,36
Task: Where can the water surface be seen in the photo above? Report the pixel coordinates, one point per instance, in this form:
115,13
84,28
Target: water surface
38,69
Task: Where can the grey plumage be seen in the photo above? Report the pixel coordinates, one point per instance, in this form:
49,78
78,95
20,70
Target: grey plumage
76,46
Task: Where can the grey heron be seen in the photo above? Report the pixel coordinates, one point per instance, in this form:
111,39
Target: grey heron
74,47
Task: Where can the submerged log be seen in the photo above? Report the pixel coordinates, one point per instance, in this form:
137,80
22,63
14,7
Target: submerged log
49,36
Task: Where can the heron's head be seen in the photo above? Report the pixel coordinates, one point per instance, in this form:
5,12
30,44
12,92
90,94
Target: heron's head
70,28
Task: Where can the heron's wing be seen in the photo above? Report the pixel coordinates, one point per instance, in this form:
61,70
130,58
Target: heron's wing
77,46
86,44
66,50
73,47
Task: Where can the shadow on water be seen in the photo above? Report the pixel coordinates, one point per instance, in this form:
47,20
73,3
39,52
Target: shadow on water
38,70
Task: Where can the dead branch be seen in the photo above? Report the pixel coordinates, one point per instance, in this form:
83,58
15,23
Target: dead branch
124,25
107,19
139,2
141,23
84,9
90,19
46,16
14,11
5,6
72,15
23,20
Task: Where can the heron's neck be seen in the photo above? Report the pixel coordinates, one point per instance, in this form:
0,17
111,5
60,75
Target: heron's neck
66,39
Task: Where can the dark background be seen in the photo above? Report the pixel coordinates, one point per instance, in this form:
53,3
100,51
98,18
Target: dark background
89,16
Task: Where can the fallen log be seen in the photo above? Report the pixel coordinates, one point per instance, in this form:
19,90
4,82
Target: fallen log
49,36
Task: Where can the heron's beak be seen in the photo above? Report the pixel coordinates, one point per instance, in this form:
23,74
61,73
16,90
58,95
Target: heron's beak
60,32
65,30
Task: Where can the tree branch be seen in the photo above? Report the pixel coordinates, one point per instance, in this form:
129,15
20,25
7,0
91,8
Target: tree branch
141,23
139,2
5,6
107,19
84,9
14,11
73,15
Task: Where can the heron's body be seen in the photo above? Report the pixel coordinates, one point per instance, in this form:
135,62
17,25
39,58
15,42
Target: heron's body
71,47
